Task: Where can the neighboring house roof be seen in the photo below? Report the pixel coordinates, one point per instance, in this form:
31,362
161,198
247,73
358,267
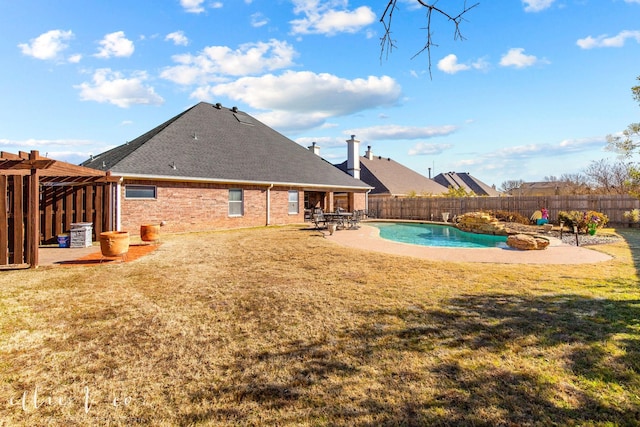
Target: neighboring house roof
212,143
390,177
466,181
541,187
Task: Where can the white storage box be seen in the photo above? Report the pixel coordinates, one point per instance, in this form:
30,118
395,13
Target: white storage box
81,234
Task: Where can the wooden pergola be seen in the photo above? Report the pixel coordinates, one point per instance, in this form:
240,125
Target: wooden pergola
21,177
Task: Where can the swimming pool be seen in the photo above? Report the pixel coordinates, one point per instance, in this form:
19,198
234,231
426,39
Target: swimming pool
436,235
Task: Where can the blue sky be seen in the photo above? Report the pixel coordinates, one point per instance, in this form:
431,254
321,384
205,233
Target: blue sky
531,92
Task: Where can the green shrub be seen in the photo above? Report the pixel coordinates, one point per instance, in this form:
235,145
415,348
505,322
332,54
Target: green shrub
583,219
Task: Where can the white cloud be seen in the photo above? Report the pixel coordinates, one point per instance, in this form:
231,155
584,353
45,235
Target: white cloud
216,61
292,121
74,59
48,143
192,6
302,100
516,58
424,149
387,132
70,150
537,5
449,64
604,41
632,1
481,64
309,92
329,17
178,38
47,46
111,87
258,20
115,44
535,151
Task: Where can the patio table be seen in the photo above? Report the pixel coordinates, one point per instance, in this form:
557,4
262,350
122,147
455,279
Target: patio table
338,218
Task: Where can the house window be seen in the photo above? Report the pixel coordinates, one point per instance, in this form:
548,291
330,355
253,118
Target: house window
293,202
140,191
236,203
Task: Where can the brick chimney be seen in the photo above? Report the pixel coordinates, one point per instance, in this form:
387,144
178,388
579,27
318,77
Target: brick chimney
353,157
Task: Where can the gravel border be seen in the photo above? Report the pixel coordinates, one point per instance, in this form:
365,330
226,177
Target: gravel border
568,237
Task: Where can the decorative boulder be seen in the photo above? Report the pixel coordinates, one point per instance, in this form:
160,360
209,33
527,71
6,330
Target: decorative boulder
527,242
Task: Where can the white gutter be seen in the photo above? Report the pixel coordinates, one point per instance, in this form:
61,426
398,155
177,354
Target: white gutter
366,200
269,204
118,224
238,181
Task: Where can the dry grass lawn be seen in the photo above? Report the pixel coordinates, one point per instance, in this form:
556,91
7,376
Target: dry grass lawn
278,326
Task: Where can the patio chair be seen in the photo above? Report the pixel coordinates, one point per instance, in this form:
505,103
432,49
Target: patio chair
354,220
318,219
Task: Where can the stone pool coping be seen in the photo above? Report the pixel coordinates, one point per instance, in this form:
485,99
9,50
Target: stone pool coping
367,237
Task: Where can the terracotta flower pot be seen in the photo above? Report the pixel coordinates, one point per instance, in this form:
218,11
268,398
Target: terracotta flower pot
150,232
114,243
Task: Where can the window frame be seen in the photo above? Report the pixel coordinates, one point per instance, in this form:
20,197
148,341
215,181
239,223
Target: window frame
293,203
142,188
231,203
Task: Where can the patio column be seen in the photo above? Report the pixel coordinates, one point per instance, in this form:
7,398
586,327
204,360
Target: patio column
33,214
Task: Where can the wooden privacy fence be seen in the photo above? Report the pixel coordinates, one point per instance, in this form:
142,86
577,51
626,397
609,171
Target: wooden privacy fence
12,219
432,208
61,206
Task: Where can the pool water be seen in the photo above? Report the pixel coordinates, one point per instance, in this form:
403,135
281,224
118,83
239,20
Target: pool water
436,235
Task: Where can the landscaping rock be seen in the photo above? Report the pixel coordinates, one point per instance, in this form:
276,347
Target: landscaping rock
480,223
527,242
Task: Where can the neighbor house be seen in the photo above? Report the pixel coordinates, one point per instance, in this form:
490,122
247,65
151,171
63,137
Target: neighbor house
388,177
213,167
467,182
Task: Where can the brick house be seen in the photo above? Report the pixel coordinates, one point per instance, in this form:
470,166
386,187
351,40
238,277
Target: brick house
212,167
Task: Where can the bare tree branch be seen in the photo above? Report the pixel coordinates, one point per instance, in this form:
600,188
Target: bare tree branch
387,43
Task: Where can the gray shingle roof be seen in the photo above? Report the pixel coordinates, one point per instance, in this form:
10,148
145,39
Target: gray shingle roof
211,142
466,181
390,177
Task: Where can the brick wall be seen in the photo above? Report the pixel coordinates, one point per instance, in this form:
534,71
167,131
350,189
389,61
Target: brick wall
201,207
350,201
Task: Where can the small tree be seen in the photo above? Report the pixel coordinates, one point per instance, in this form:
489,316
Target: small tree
459,192
510,185
628,143
610,177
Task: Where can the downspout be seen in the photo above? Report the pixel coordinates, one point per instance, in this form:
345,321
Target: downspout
269,204
118,224
366,200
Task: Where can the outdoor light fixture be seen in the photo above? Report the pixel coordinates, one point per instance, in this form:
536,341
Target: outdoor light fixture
561,228
575,230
